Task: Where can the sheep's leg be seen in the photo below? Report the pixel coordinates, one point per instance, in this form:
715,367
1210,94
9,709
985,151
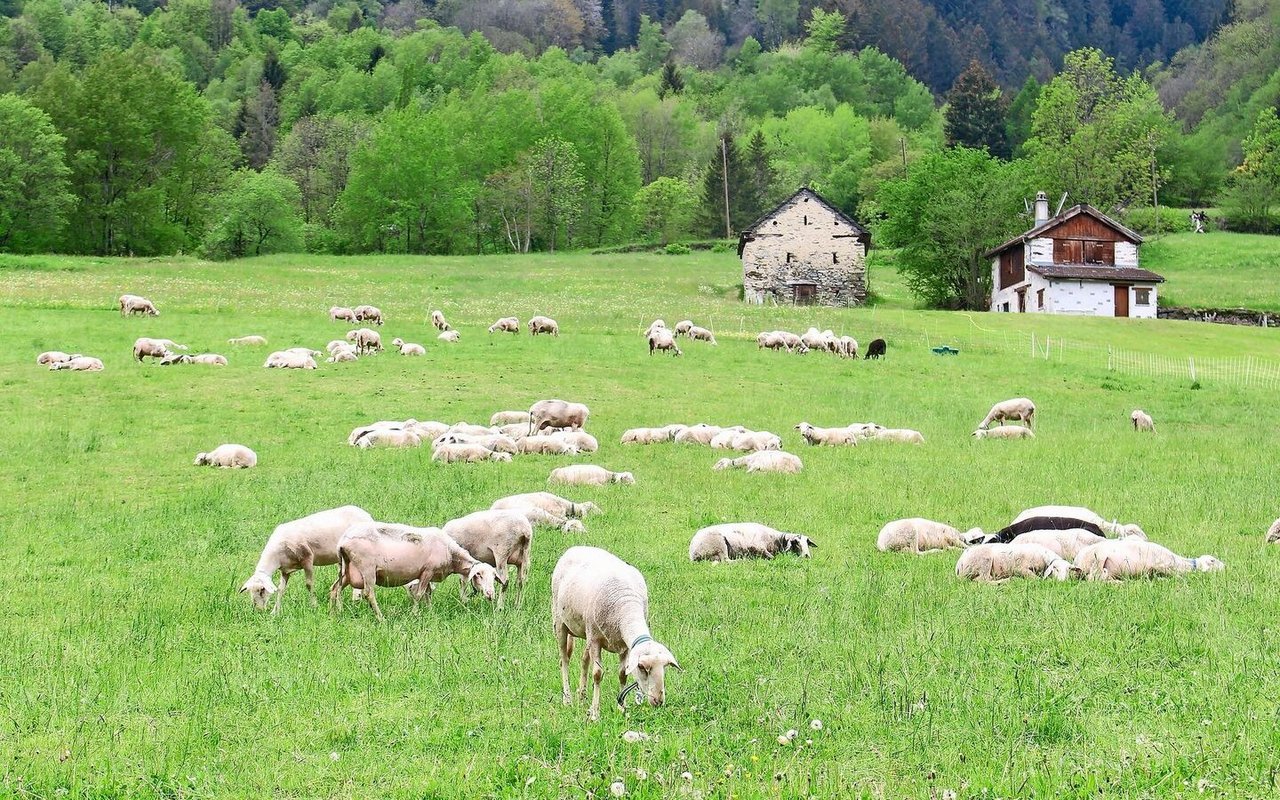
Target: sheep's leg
462,589
522,574
335,593
597,673
586,666
565,641
369,582
309,571
284,582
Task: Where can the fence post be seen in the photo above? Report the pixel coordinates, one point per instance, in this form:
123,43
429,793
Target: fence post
1109,367
1048,346
1191,362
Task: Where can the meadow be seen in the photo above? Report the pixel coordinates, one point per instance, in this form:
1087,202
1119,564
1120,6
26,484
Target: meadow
132,667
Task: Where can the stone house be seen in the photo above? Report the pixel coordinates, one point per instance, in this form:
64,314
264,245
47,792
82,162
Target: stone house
806,252
1079,262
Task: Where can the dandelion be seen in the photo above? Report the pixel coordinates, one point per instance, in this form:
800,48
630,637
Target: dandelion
783,740
632,737
334,756
618,789
641,775
949,794
793,733
529,781
688,776
816,724
1203,785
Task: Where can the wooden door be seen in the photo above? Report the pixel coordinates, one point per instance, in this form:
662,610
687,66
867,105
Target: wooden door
806,294
1022,301
1122,301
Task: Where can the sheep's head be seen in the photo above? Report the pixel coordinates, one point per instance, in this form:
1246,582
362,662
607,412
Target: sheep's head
153,312
1059,570
646,663
397,341
624,477
260,587
722,464
979,433
1131,532
482,577
201,459
973,536
583,509
799,544
351,335
1208,564
504,457
573,526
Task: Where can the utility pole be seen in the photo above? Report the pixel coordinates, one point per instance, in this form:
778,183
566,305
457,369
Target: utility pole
724,172
902,142
1155,196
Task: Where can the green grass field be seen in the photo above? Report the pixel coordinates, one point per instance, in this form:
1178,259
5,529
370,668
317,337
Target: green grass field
133,668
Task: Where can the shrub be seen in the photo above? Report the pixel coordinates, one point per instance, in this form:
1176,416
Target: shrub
1171,220
677,249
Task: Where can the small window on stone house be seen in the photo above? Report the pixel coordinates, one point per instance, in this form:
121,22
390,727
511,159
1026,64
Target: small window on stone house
1039,298
835,258
1142,297
790,256
806,219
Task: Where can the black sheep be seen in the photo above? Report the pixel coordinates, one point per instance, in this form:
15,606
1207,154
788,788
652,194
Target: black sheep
1009,533
875,349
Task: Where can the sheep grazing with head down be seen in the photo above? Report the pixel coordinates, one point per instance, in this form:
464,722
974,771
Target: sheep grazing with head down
500,538
408,348
1273,533
598,597
342,314
548,414
876,349
505,325
763,461
1134,558
1112,528
1067,543
1142,421
683,327
919,536
542,324
301,544
847,347
366,340
144,347
1019,409
1004,432
437,319
997,563
664,340
588,475
701,335
134,304
736,540
228,456
369,314
827,436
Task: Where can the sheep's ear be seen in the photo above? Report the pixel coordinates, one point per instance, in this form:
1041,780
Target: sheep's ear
676,664
244,588
812,543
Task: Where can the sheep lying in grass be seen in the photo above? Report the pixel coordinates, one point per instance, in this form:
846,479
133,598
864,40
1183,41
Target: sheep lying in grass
763,461
1273,533
1067,543
452,337
228,456
301,544
747,441
509,418
561,414
284,360
470,453
248,341
1004,432
1010,532
79,364
208,359
901,435
701,433
408,348
380,554
582,441
597,597
865,430
542,324
493,441
134,304
652,435
996,563
55,357
505,325
1019,408
1076,512
745,540
548,502
1142,421
919,536
588,475
437,319
501,539
467,429
546,446
342,314
369,314
343,356
664,340
389,437
827,436
1134,558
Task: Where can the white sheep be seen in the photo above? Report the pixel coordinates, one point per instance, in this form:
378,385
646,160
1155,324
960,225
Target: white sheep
683,327
301,544
369,314
919,536
516,430
145,347
736,540
701,335
755,441
1019,408
134,304
389,437
283,360
55,357
1142,421
546,446
1066,543
79,364
865,430
303,351
470,453
1273,533
505,325
408,348
365,339
424,430
338,344
557,414
211,359
827,436
228,456
500,538
665,341
588,475
468,429
494,441
542,324
509,418
175,358
847,347
453,337
656,325
343,356
651,435
597,597
700,433
342,314
583,441
997,563
763,461
548,502
248,341
1134,558
1004,432
901,435
1113,527
437,319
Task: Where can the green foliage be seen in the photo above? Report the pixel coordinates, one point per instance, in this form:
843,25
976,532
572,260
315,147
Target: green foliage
652,46
827,151
34,196
556,175
1251,204
975,115
1162,220
726,178
664,209
956,205
259,214
677,249
825,29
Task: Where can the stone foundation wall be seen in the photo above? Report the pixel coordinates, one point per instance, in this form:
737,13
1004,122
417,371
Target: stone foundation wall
1222,316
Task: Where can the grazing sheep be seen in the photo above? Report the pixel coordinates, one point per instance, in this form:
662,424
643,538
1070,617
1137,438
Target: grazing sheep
501,539
540,324
847,347
494,441
769,340
55,357
656,325
763,461
1066,544
284,360
919,536
469,453
546,414
683,327
369,314
302,544
381,554
588,475
827,436
408,348
901,435
1004,432
1134,558
701,335
134,304
1273,533
144,347
997,563
389,437
509,418
228,456
211,359
1113,528
248,341
79,364
343,356
1142,421
365,339
342,314
583,441
876,349
453,337
505,325
745,540
597,597
651,435
1019,408
552,504
664,340
437,319
1010,532
813,339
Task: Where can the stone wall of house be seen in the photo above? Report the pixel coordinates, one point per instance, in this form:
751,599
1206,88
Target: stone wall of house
1223,316
805,243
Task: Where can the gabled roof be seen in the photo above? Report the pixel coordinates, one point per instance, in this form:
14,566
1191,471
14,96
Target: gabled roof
812,195
1071,213
1098,272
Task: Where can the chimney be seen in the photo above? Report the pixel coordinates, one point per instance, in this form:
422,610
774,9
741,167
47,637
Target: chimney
1042,207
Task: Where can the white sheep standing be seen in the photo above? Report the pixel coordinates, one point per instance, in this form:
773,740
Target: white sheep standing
342,314
1142,421
919,536
1112,527
1134,558
300,544
736,540
1019,408
598,597
588,475
228,456
437,319
505,325
996,563
702,335
542,324
365,339
1004,432
683,327
500,538
555,413
408,348
827,436
664,340
763,461
369,314
135,304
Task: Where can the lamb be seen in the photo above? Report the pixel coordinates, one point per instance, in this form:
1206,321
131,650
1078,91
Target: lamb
1273,533
665,341
343,314
546,501
683,327
494,441
79,364
365,339
557,414
55,357
588,475
144,347
1142,421
827,436
1076,512
501,539
211,359
228,456
509,418
470,453
369,314
1133,558
505,325
408,348
597,597
901,435
1004,432
302,544
701,335
134,304
746,540
919,536
380,554
997,563
248,341
343,356
389,437
1067,544
1019,408
876,349
541,324
763,461
453,337
1030,524
284,360
437,319
583,441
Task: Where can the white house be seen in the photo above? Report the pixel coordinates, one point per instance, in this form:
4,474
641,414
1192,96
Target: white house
1079,262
